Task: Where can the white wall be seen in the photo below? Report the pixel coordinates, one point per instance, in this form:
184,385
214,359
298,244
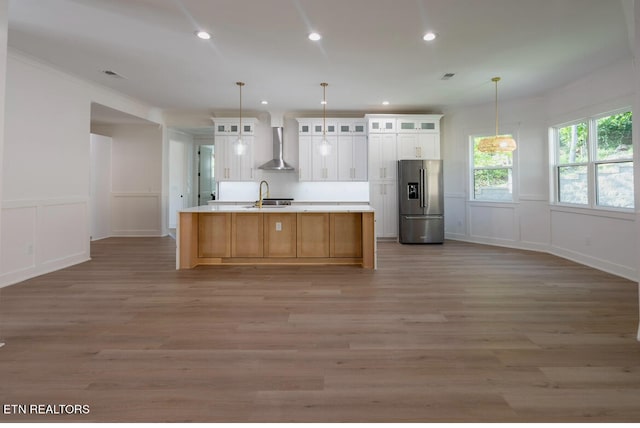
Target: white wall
44,224
136,183
597,238
4,26
100,194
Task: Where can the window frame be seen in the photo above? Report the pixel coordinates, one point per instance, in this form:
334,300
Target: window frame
592,163
472,168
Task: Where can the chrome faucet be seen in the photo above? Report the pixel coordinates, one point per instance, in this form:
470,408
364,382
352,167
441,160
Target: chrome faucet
261,193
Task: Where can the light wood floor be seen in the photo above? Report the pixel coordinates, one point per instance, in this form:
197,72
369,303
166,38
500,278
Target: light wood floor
450,333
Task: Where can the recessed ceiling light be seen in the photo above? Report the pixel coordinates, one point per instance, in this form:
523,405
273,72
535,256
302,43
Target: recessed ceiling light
315,36
385,103
203,35
265,102
429,36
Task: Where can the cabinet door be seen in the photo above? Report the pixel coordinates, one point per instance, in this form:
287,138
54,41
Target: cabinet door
231,166
386,125
214,234
313,235
419,146
305,162
352,127
382,157
245,169
305,128
331,126
346,234
345,158
280,237
220,166
429,145
360,158
383,196
246,235
390,210
409,146
325,164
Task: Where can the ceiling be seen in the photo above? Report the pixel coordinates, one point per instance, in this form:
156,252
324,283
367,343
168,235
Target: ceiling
371,51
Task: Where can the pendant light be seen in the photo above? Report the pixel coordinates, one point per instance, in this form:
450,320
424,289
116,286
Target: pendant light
240,146
325,147
497,143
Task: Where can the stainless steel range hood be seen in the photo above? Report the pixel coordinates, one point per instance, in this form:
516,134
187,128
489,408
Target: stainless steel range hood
277,163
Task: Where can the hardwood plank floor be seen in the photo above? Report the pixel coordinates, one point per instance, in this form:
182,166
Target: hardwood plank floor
443,333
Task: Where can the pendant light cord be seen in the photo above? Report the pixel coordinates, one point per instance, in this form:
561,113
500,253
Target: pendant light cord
240,85
496,80
324,110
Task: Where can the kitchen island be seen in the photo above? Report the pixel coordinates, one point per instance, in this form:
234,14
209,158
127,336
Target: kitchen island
290,235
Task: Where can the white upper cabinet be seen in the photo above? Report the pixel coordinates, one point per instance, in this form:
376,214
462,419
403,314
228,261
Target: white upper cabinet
382,125
418,146
231,126
229,164
345,158
358,127
352,157
382,157
419,137
423,124
305,159
324,165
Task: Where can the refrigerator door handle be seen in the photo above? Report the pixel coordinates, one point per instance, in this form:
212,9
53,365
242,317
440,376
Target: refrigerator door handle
423,183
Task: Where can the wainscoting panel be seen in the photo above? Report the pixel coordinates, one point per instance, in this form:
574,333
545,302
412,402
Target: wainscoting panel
42,236
606,242
18,239
492,223
136,214
64,232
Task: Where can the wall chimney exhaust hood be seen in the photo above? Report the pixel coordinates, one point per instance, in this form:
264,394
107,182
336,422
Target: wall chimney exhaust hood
277,163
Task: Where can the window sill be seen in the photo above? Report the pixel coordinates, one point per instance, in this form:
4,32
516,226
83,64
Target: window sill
619,213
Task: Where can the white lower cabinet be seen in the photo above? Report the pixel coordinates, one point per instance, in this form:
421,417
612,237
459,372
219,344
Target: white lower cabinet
384,199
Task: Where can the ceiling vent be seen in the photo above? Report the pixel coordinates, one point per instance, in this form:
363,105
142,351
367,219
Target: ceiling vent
447,76
113,74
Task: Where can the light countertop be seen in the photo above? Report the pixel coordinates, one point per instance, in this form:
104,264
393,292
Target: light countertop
280,209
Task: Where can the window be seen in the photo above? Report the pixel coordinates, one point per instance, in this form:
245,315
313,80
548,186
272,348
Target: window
492,174
594,162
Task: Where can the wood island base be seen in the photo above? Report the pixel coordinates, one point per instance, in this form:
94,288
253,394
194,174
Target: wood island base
282,237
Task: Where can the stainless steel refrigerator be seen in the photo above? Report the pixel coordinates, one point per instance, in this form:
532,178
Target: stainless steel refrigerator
421,202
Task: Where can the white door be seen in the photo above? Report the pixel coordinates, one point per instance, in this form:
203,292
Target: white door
177,180
206,180
100,193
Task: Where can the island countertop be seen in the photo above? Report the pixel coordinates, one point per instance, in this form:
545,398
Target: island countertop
280,209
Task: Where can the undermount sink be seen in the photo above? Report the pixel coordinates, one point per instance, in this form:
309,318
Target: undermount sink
275,202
